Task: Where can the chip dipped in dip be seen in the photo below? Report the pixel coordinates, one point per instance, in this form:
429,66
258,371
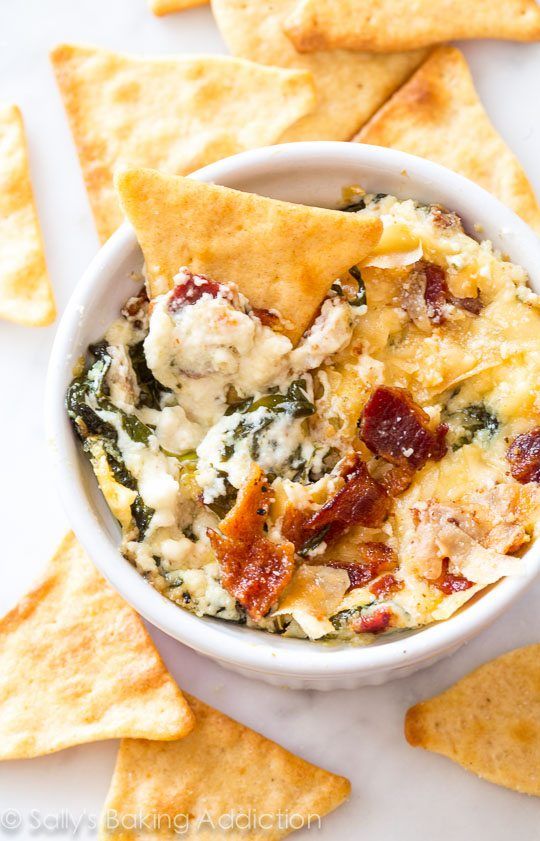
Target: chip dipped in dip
372,477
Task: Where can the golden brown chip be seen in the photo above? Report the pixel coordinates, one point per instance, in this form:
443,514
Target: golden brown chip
25,291
489,721
77,665
221,778
173,113
387,25
350,86
165,7
282,256
438,116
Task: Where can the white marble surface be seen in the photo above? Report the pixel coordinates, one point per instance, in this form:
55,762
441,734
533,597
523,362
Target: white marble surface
397,791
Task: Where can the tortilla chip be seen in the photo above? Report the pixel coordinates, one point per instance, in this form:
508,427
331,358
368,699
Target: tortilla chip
350,87
437,115
165,7
387,25
282,256
489,721
222,768
77,665
25,292
176,113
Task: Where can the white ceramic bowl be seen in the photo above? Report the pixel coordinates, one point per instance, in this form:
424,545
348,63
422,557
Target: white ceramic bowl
310,173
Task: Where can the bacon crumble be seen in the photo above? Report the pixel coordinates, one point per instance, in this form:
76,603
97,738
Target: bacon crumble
437,294
394,427
373,622
361,501
254,569
448,583
189,291
523,456
373,559
385,586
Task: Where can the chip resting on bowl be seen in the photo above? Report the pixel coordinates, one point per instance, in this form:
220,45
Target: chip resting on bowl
282,256
387,25
222,781
489,721
165,7
175,113
25,291
437,115
350,86
77,665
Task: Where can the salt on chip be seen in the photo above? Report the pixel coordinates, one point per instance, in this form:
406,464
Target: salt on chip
222,768
387,25
437,115
165,7
77,665
175,113
25,291
350,86
489,721
282,256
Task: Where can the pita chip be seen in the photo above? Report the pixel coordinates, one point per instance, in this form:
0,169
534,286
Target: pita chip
25,291
165,7
222,768
282,256
77,665
173,113
350,86
437,115
489,721
387,25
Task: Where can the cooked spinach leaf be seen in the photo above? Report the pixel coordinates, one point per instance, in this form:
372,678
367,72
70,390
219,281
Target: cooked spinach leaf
150,389
313,542
223,504
142,514
294,402
360,298
473,419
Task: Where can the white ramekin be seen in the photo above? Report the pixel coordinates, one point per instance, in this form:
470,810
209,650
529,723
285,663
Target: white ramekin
310,173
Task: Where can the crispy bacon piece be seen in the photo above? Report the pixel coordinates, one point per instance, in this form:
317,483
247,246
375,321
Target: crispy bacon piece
524,457
361,501
373,559
254,569
437,294
268,318
448,583
394,427
373,622
396,480
191,289
432,279
292,525
444,218
385,586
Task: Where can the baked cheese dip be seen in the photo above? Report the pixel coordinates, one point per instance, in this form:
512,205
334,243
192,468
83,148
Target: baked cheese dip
374,477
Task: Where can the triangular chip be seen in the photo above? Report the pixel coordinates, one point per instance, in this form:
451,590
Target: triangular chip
222,781
282,256
350,86
437,115
386,25
165,7
25,291
489,721
173,113
77,665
